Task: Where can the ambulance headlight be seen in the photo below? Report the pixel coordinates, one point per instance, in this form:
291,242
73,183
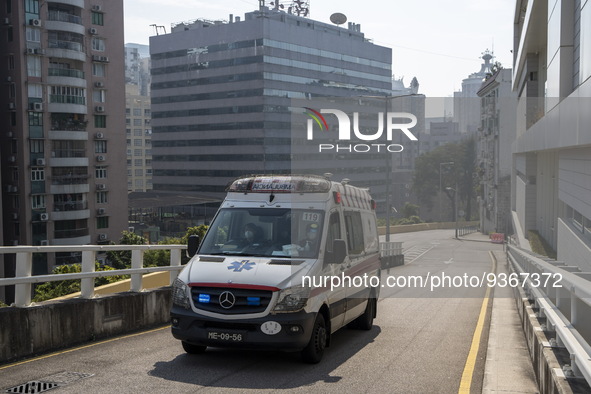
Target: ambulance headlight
180,294
292,299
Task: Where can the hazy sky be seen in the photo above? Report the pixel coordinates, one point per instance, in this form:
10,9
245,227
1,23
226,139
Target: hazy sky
438,41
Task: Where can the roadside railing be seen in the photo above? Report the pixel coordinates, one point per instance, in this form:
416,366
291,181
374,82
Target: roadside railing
24,264
465,230
391,254
563,297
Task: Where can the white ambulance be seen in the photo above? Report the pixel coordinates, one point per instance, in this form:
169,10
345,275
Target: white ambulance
287,261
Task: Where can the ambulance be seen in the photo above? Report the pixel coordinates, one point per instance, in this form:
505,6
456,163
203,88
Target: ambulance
287,261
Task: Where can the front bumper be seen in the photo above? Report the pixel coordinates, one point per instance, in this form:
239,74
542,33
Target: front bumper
295,332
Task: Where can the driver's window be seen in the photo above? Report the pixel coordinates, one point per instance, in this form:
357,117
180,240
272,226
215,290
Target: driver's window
334,230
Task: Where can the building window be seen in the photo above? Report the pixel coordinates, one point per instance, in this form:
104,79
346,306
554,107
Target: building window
139,183
33,66
98,44
32,6
139,172
97,18
100,172
33,34
137,112
101,197
35,90
100,121
99,96
38,201
147,112
138,162
137,152
137,142
98,69
11,62
137,122
102,222
37,174
35,118
100,146
36,146
137,132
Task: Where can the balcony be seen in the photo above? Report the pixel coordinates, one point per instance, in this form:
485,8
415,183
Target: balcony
75,3
66,49
64,21
67,104
65,72
68,153
66,76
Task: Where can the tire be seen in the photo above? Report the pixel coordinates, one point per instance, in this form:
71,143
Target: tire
193,349
365,321
313,352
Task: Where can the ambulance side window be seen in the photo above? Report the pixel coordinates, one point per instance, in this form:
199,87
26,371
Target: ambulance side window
354,228
334,230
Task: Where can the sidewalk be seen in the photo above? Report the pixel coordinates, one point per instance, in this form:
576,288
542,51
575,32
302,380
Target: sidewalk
508,367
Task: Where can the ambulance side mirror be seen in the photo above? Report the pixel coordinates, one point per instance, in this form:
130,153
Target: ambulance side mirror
339,251
192,245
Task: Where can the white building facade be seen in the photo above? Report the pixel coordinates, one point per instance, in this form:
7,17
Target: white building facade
552,152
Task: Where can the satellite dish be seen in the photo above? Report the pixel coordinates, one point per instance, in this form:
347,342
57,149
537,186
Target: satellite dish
338,19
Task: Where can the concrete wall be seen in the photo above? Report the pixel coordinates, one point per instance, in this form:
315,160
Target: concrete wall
53,325
571,249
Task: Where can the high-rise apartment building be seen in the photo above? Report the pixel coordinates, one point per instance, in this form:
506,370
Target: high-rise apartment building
62,139
222,91
552,151
139,140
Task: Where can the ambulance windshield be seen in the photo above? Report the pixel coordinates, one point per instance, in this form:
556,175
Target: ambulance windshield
265,232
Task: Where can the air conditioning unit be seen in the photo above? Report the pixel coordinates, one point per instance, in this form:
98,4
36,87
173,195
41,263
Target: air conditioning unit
104,59
36,107
30,51
44,242
14,189
9,134
101,186
40,162
99,108
12,159
93,31
39,51
35,22
96,8
102,237
131,229
7,21
9,79
99,84
11,106
99,136
101,211
15,216
101,158
96,58
44,217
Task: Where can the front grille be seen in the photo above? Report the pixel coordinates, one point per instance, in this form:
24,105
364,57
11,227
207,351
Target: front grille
245,300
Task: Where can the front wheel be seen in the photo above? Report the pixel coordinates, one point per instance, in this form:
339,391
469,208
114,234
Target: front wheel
314,351
193,349
365,321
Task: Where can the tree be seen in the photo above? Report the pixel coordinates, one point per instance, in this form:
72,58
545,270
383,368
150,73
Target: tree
122,259
427,176
49,290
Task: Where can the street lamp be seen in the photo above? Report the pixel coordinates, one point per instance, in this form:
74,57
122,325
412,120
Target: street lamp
448,163
455,205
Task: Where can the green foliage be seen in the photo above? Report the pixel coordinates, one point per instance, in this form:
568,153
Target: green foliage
161,258
50,290
539,245
414,219
409,210
3,305
430,174
122,259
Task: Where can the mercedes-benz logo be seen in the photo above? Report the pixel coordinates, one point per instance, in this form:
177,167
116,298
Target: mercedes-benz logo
227,300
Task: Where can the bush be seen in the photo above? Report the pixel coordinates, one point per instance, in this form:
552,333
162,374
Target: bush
539,245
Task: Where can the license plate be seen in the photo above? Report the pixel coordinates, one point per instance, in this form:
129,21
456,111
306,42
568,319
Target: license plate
225,336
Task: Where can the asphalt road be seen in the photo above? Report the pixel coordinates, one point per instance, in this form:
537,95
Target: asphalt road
420,343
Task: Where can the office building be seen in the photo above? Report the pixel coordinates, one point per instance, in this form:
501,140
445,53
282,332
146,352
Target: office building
222,93
139,140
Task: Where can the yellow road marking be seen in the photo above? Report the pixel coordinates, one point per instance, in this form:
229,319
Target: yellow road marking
468,373
80,348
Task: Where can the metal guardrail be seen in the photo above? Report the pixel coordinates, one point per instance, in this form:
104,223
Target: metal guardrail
24,265
567,308
465,230
390,249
